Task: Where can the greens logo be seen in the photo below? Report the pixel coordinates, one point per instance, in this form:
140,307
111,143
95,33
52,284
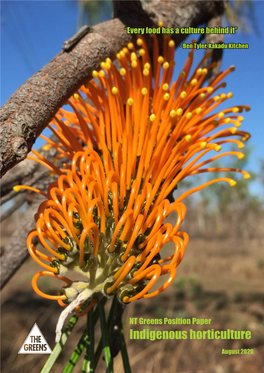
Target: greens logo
35,343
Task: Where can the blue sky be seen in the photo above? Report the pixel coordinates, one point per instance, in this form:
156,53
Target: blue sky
32,33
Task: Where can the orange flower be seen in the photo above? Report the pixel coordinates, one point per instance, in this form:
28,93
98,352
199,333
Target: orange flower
127,151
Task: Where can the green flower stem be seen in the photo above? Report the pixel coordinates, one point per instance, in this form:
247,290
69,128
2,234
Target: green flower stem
88,363
105,339
59,346
98,353
76,353
83,342
109,323
91,325
125,358
96,312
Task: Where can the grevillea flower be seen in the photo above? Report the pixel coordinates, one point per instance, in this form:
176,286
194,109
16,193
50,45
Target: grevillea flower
127,151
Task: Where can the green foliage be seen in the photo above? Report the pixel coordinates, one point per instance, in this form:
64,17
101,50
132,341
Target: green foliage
242,14
261,263
93,12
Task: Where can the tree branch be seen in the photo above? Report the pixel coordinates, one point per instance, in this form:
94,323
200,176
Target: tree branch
15,252
215,54
17,203
33,105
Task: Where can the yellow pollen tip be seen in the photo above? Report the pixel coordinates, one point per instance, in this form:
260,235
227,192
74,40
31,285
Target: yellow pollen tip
240,118
241,146
108,60
210,89
232,68
144,91
146,72
233,130
194,82
179,111
199,71
232,183
182,74
235,110
152,117
134,63
102,64
118,56
165,86
246,137
161,24
199,110
216,98
125,50
139,42
240,155
237,124
187,84
114,91
141,52
52,174
130,46
203,144
122,71
133,56
166,65
122,54
166,97
188,138
227,120
160,59
222,96
130,101
171,43
46,147
230,95
189,115
218,148
201,96
183,94
16,188
94,74
247,175
205,71
101,73
172,113
221,115
107,66
75,96
147,66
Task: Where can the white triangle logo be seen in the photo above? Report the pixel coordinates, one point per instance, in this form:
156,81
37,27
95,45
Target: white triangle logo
35,343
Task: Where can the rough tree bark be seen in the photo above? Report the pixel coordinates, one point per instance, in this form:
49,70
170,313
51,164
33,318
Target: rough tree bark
32,106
